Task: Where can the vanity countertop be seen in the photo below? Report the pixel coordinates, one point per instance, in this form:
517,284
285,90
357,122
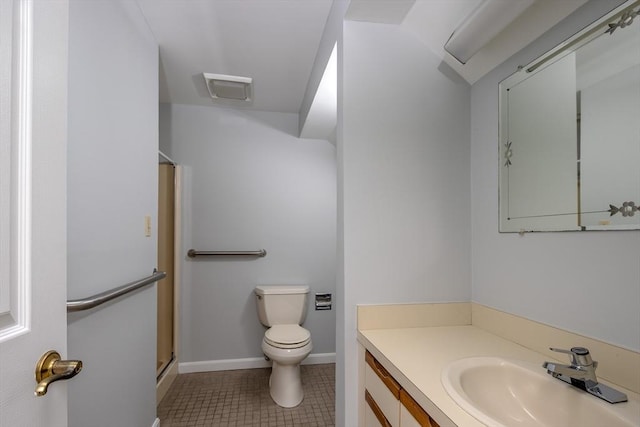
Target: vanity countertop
416,357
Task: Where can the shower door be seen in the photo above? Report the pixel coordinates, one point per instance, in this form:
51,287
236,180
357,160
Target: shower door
166,263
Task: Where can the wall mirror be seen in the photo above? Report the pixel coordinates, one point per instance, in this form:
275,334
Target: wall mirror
570,132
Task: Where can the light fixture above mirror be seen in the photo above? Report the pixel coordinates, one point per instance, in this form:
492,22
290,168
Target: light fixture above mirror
482,24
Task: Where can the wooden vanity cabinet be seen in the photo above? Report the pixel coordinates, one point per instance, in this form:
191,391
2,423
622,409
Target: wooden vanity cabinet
387,403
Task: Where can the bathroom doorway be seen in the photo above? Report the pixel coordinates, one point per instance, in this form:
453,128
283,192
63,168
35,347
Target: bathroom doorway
167,288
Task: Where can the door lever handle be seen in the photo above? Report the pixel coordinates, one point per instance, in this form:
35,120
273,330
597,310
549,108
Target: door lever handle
50,368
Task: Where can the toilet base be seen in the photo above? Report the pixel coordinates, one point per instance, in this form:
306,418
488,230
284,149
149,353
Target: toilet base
285,385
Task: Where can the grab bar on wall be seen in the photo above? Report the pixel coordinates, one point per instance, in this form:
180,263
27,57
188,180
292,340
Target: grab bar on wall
193,253
101,298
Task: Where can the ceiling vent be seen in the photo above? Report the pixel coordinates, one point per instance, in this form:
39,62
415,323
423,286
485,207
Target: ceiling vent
228,87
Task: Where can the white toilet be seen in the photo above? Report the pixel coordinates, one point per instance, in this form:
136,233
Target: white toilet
286,343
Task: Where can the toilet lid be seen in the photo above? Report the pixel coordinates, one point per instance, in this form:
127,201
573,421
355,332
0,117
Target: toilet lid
287,335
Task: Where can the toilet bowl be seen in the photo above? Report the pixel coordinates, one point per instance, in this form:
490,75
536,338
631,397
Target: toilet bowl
283,309
286,346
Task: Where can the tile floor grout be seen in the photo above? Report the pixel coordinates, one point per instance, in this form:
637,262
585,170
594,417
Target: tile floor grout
241,398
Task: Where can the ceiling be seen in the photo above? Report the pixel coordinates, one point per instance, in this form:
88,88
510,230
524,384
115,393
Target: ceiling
272,41
275,41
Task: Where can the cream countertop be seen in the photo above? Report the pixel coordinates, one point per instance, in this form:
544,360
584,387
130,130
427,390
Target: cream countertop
416,356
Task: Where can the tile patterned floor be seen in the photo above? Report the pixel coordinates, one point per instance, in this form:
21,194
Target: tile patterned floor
241,399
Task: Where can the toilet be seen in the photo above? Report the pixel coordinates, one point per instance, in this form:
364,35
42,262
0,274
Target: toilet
283,309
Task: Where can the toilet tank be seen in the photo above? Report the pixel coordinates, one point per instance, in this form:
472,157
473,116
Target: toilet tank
281,305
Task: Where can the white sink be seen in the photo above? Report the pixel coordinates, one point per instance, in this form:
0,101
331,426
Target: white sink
508,393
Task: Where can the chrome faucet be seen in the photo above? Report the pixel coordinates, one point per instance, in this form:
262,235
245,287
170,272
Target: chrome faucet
581,373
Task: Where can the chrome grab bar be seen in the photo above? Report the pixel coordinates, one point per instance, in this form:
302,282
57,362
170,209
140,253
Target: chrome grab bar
101,298
192,253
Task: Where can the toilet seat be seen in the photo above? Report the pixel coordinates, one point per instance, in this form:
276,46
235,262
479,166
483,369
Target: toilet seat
287,336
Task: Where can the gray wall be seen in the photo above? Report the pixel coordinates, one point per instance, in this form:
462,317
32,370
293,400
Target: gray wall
112,185
403,156
250,183
586,282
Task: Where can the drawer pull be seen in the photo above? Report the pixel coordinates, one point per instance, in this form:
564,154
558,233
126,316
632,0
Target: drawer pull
383,374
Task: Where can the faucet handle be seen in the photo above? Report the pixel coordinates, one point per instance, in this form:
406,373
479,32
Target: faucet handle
580,356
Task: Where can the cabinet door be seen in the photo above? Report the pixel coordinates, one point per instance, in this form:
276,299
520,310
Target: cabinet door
370,419
412,414
373,414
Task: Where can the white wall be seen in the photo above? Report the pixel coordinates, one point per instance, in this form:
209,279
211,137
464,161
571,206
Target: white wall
403,156
586,282
250,184
112,185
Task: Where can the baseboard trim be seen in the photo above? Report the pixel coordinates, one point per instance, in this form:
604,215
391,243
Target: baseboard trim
319,359
248,363
156,423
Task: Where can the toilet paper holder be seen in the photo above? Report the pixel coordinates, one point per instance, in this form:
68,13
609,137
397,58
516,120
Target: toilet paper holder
323,301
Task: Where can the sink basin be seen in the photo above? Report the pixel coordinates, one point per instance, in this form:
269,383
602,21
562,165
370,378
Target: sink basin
509,393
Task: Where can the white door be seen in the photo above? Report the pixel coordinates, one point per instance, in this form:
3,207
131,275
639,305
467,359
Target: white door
33,120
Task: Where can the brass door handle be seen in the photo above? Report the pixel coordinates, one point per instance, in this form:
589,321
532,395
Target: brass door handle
50,368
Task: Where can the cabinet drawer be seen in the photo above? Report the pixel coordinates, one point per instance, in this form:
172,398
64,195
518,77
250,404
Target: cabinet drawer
383,389
383,374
